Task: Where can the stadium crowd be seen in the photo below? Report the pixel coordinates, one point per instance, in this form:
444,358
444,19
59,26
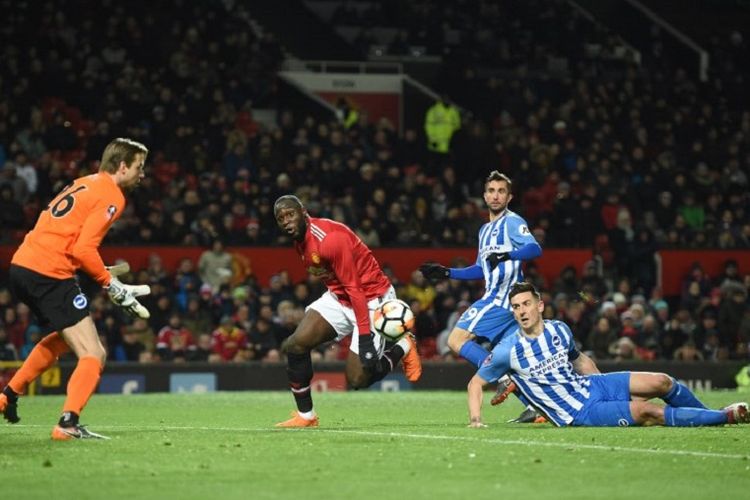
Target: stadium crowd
649,160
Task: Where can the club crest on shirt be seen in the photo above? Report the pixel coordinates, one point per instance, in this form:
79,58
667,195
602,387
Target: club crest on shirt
319,271
80,301
556,341
111,211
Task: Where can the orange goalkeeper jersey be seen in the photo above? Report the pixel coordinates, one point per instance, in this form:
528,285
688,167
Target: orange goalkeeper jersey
67,234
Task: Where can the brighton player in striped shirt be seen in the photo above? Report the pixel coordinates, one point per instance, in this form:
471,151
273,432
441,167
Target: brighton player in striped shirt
504,242
356,285
544,363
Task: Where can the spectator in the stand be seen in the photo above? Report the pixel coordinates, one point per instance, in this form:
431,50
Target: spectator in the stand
729,274
642,260
174,342
215,265
32,338
706,331
601,336
565,218
421,290
675,332
575,316
229,342
197,319
698,276
591,282
8,351
143,333
649,334
441,121
9,177
623,240
131,349
567,283
368,234
731,312
186,283
688,352
624,349
11,211
262,341
203,350
694,214
347,114
661,309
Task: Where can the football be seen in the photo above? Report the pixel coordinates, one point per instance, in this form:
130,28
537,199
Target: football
393,319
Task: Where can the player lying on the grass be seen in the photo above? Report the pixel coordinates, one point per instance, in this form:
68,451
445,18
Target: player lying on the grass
356,286
504,243
42,274
540,357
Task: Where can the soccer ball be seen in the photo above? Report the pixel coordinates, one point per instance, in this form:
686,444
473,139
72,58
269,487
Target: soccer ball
393,319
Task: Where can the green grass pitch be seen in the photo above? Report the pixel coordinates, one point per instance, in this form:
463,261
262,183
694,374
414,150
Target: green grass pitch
409,445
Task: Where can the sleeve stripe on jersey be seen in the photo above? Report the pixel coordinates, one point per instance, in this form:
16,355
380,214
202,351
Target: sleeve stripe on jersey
317,232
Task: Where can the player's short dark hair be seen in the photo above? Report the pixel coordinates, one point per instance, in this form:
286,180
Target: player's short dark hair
119,150
522,287
287,201
498,176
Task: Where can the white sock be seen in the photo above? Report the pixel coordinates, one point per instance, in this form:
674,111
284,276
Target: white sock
405,345
307,415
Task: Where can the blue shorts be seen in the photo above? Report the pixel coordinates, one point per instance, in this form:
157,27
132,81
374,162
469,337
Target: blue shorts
609,404
485,319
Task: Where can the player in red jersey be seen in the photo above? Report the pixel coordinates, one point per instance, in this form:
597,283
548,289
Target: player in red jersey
65,239
356,285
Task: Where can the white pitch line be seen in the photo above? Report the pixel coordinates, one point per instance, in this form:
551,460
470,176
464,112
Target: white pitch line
434,437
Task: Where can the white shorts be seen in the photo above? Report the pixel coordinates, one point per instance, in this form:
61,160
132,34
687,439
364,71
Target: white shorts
342,319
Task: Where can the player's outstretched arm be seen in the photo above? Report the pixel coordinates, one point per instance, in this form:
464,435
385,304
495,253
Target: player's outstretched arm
125,295
476,394
436,272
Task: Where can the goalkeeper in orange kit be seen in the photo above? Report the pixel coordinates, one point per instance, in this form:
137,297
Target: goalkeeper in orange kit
65,239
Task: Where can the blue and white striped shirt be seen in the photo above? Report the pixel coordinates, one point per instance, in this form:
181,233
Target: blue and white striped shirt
506,233
542,371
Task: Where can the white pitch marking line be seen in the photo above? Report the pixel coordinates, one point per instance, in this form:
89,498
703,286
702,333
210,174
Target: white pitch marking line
598,447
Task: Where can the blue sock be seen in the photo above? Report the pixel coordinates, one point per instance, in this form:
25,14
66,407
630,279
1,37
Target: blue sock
680,396
693,417
473,353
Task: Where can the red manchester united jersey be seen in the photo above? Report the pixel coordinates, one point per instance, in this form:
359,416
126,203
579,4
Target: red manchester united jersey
332,252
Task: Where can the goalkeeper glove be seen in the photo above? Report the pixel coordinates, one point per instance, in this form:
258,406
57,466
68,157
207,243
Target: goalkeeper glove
125,295
434,272
494,259
367,353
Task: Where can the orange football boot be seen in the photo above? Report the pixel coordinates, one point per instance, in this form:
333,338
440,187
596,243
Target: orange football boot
505,388
75,432
298,421
411,362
